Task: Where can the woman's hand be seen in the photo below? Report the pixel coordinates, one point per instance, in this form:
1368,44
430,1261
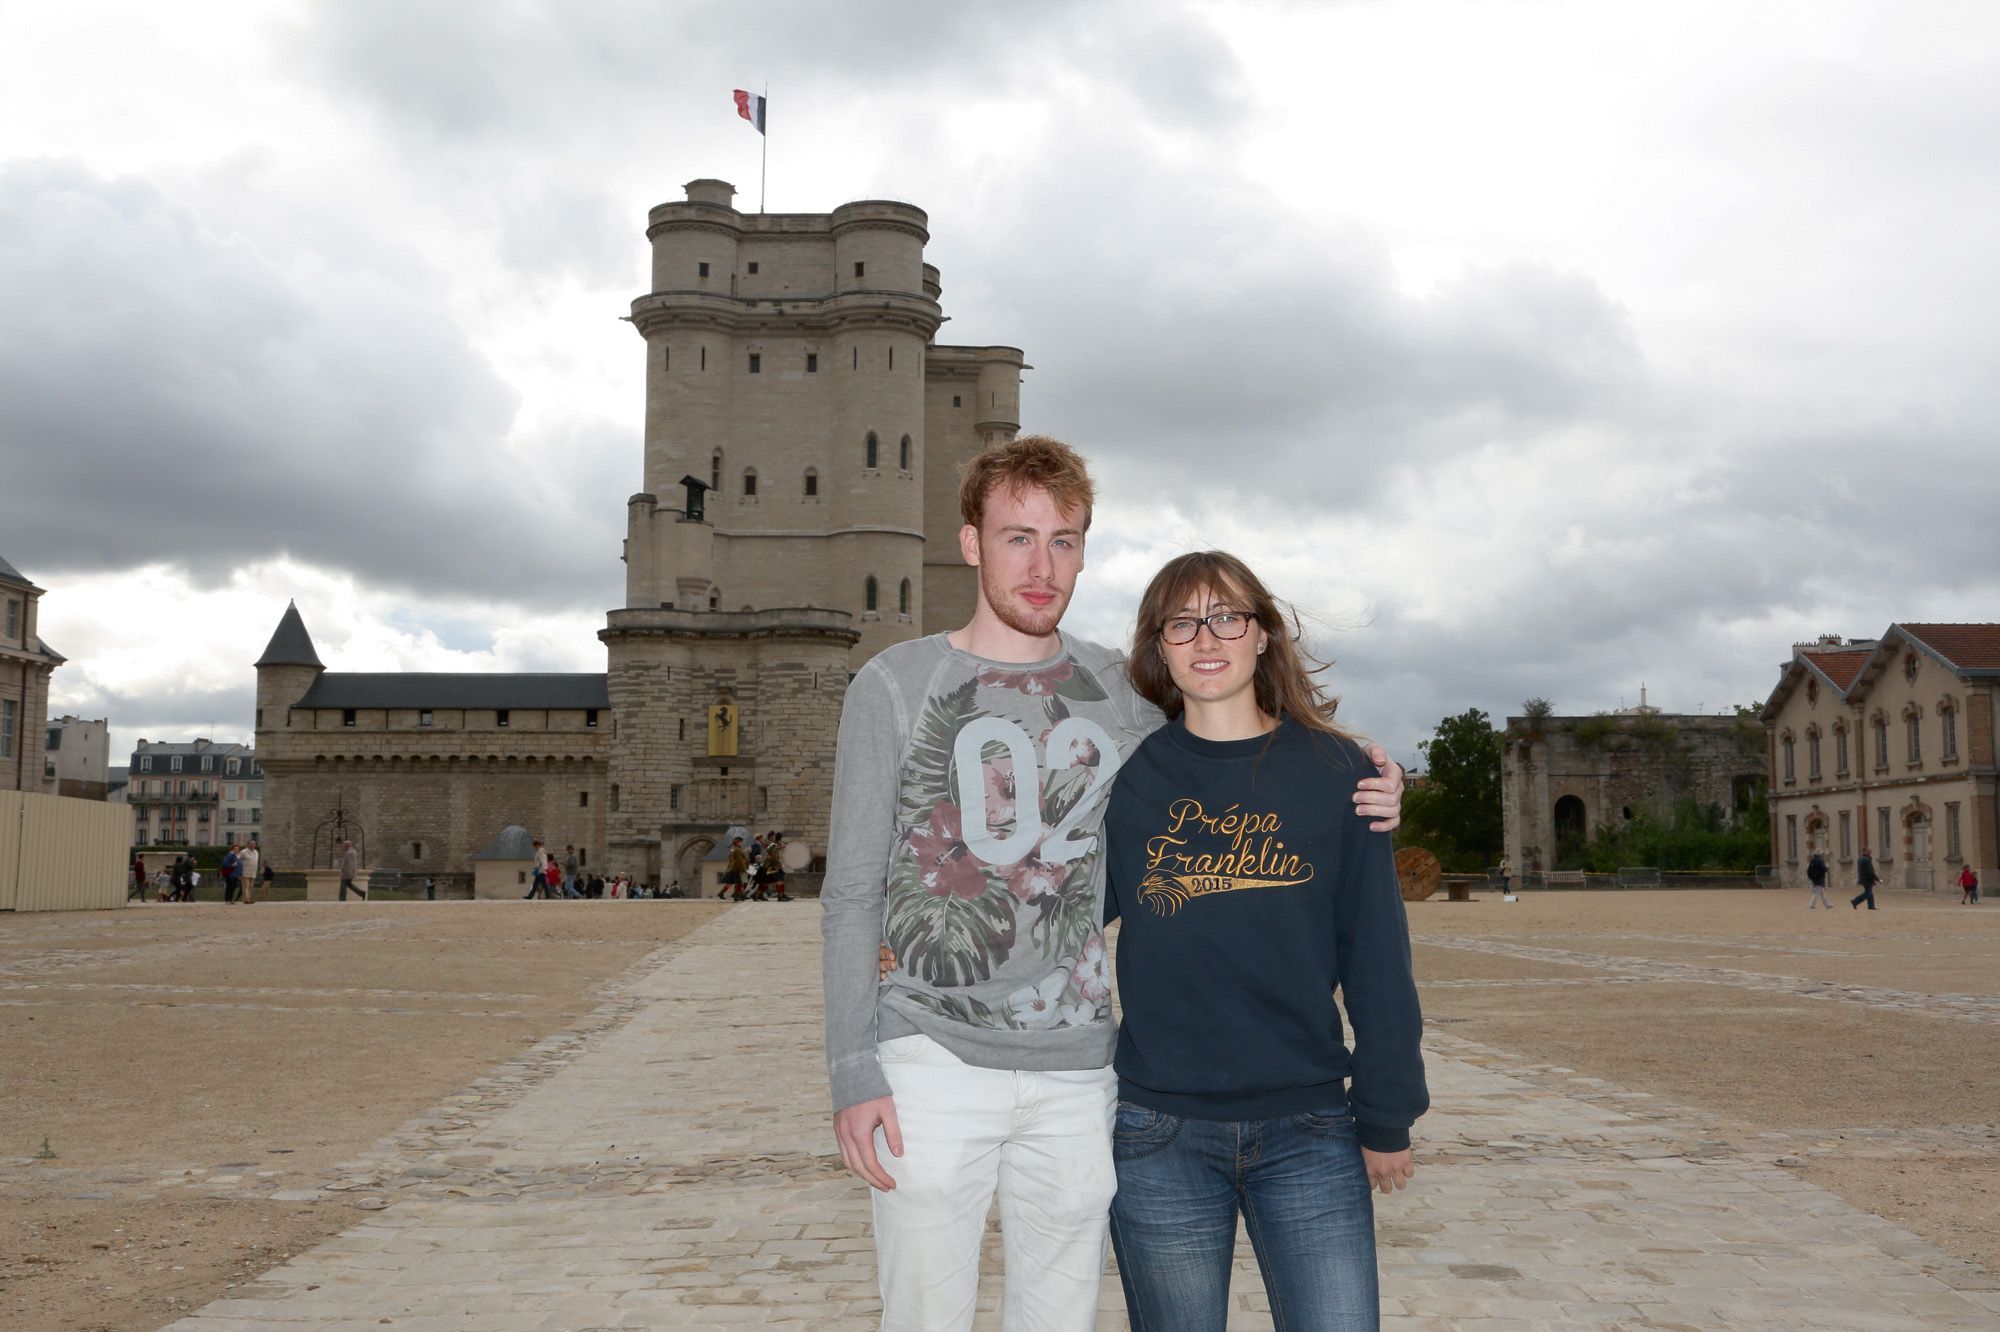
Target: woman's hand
1389,1171
885,962
1381,798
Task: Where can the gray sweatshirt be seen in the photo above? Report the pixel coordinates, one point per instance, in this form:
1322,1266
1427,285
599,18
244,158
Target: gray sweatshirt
968,812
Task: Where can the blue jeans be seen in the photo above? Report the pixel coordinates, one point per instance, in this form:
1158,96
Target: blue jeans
1302,1189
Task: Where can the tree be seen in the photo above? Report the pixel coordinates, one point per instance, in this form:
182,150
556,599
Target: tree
1455,812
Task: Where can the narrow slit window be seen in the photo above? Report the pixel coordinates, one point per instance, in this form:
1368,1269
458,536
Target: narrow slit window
701,269
756,364
812,363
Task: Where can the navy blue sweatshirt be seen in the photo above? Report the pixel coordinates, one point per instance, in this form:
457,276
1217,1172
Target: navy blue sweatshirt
1248,891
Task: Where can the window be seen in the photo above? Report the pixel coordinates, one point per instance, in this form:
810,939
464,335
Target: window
1881,724
666,358
684,728
423,717
871,451
1812,753
701,269
714,598
256,814
704,358
260,719
346,719
9,720
614,797
583,800
590,719
1791,837
1791,766
13,618
756,364
1840,750
812,483
903,454
1948,720
763,799
868,593
752,268
860,268
674,798
232,765
145,763
892,358
1913,734
955,401
903,598
812,363
1882,842
750,481
1951,850
174,764
1846,835
715,471
501,717
857,357
207,764
416,850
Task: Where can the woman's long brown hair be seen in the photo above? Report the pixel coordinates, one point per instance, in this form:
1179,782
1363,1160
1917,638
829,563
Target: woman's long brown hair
1284,680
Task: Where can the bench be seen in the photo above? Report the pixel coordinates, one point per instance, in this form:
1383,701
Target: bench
1564,879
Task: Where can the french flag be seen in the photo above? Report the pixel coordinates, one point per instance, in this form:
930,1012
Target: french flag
751,107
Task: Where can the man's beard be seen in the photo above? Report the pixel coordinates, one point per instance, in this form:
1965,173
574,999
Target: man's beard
1023,619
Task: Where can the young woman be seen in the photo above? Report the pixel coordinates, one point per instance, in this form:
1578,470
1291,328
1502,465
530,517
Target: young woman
1248,894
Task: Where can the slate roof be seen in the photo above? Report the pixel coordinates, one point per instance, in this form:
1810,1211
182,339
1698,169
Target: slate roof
1967,647
9,574
513,843
417,689
290,645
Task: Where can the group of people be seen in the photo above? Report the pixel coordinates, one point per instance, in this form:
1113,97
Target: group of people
756,872
1005,791
568,878
242,864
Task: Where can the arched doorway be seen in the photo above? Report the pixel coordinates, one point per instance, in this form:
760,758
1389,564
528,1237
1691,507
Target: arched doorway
1917,836
1816,839
1572,831
687,865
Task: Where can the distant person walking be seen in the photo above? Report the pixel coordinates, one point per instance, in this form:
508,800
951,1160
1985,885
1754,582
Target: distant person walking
232,876
734,869
1506,876
250,862
1816,876
350,866
1968,887
1864,873
138,879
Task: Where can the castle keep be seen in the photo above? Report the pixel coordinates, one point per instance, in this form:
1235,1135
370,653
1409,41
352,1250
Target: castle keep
798,512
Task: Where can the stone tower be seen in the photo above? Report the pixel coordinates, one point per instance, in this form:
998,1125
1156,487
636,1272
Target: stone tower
285,672
790,375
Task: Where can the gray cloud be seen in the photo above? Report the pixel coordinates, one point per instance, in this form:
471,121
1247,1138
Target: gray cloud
175,394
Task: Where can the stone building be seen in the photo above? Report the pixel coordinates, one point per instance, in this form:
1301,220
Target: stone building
1888,746
26,663
77,758
798,512
1562,778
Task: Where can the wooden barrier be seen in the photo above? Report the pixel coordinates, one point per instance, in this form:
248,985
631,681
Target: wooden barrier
58,853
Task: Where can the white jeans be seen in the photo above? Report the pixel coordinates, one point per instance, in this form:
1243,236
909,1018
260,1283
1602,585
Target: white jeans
1042,1141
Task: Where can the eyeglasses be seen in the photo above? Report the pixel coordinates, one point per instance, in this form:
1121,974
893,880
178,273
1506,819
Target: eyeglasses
1223,624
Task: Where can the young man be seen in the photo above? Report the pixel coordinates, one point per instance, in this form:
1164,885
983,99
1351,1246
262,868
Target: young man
969,796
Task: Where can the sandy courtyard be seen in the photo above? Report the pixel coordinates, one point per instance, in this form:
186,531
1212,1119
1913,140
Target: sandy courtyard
173,1073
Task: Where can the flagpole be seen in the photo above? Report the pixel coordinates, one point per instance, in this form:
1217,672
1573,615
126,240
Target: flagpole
764,153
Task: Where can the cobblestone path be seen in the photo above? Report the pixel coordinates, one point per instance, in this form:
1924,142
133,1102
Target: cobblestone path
668,1163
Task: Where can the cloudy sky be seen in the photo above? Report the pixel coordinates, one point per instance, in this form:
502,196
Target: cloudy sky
1535,347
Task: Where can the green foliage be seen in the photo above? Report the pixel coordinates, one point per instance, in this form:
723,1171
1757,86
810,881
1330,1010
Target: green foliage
1455,813
1693,836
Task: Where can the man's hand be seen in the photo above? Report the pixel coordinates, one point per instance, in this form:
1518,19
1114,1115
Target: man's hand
1387,1171
854,1129
1381,798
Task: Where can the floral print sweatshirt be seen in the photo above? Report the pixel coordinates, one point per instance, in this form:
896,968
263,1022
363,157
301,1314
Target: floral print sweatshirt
968,834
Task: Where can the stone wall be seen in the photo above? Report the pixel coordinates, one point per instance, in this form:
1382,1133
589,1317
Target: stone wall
1614,764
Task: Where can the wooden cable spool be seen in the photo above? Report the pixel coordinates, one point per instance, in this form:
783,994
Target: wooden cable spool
1419,873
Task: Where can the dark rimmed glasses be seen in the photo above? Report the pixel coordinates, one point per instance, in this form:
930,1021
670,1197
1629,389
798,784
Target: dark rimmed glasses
1223,624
